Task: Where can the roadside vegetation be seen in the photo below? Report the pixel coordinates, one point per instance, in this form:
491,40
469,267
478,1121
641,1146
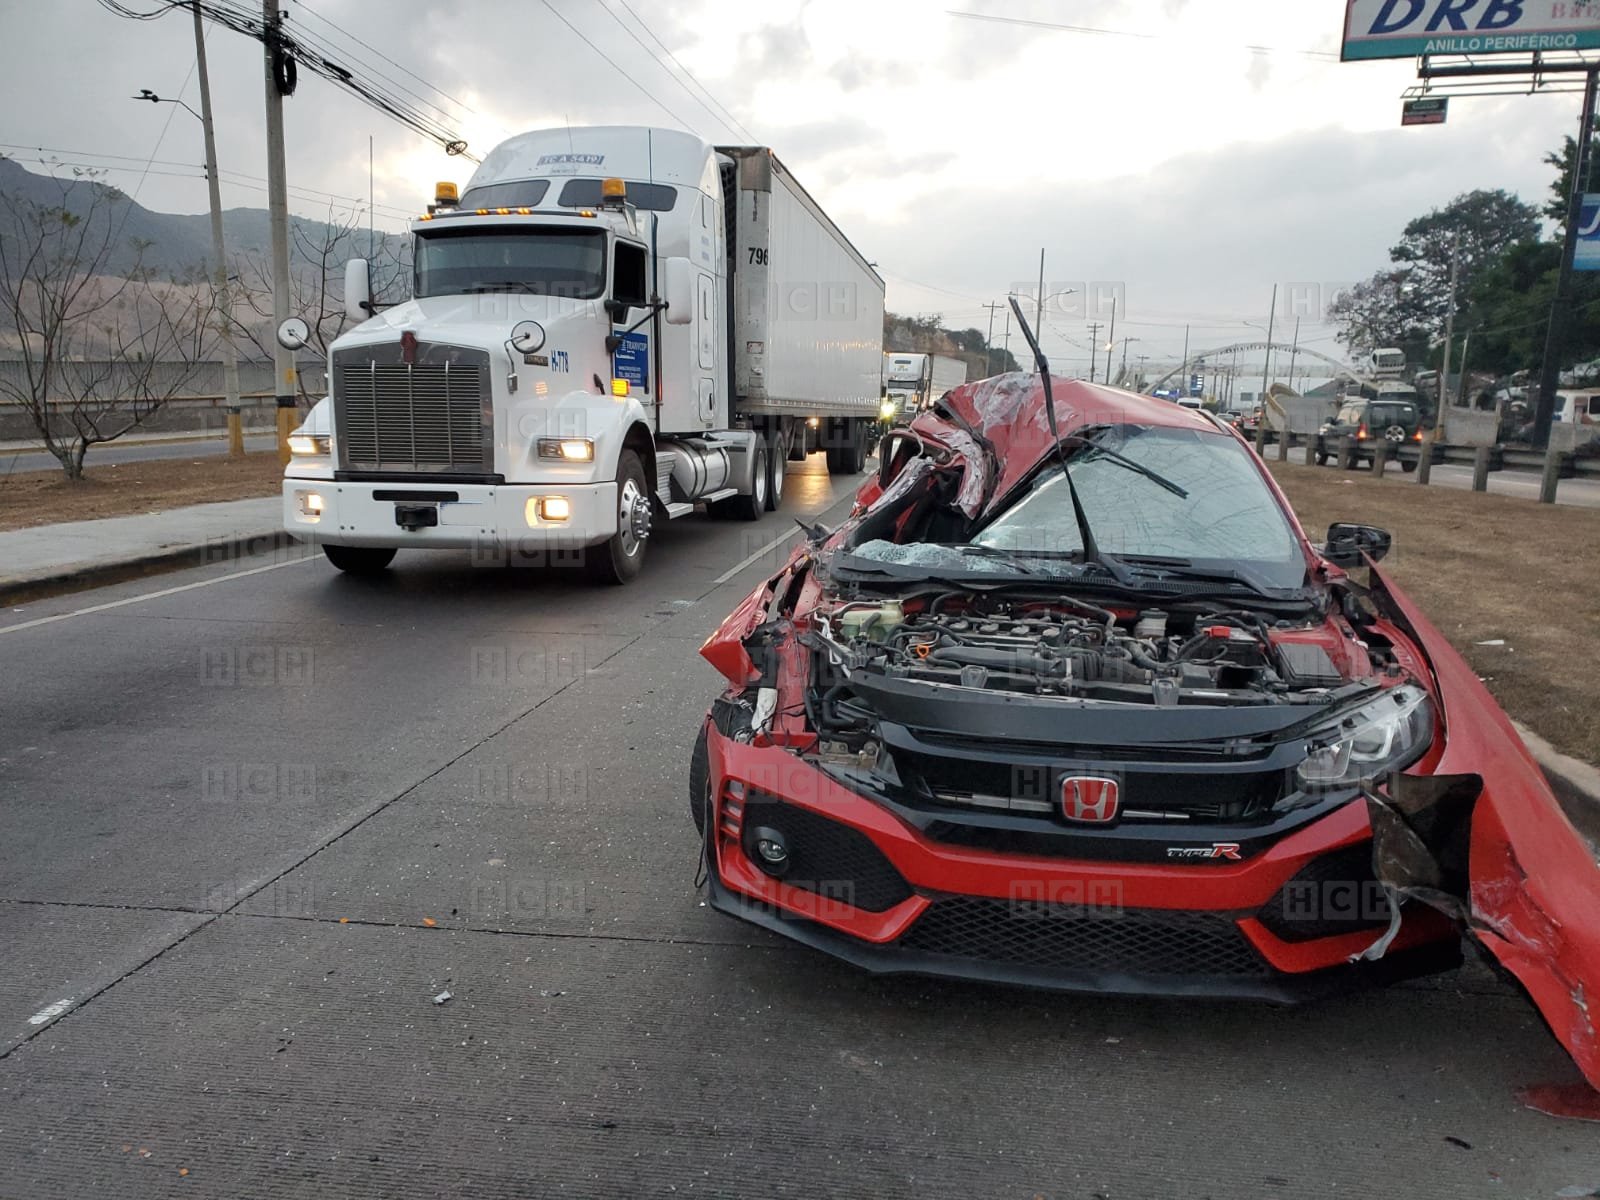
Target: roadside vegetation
132,489
1510,582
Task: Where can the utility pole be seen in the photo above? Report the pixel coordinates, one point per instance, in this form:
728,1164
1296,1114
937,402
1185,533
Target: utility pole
1007,343
219,269
1111,338
1094,347
1266,379
988,341
1560,304
1184,371
1425,463
1294,351
278,213
1038,306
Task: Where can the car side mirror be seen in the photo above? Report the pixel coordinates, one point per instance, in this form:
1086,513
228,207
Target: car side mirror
1348,545
679,291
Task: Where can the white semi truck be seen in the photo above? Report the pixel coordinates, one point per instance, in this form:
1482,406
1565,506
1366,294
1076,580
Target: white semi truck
911,382
609,327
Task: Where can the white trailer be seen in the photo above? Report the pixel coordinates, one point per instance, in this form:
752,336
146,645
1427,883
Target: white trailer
609,327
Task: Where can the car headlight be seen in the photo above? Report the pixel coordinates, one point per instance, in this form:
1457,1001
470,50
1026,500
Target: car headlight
1384,734
310,445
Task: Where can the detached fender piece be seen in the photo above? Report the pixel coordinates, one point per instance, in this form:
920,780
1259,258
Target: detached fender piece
1533,886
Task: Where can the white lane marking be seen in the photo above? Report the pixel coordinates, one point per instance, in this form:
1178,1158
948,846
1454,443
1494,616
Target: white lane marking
745,562
172,591
49,1012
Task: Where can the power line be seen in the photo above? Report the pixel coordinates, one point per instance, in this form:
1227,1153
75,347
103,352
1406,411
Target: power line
657,59
1324,55
648,93
293,51
113,162
733,121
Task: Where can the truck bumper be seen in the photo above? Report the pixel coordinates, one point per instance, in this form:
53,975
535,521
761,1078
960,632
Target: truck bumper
490,520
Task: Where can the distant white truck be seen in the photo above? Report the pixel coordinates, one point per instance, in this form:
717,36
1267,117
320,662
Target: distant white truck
911,382
610,326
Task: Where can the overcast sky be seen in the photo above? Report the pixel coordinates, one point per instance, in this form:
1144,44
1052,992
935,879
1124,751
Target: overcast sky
1166,159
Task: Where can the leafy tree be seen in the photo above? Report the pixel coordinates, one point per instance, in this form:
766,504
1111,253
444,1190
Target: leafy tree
1407,305
1561,186
1487,223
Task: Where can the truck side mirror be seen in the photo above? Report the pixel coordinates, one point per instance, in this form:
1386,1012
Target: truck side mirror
1347,543
357,290
679,291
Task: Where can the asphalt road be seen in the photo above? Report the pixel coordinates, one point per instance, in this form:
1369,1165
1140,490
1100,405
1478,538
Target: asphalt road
17,461
255,818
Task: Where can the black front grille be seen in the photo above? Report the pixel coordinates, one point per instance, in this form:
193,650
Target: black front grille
1333,894
1073,938
825,857
423,416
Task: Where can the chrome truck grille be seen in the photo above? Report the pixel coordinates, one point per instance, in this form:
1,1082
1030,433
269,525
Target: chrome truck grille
433,415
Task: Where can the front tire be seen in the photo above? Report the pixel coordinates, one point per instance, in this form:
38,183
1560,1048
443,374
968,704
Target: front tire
1408,466
359,560
620,558
848,455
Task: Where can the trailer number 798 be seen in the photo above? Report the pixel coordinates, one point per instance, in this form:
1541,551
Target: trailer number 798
758,256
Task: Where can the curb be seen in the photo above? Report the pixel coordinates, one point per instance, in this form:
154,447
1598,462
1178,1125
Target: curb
78,577
1575,783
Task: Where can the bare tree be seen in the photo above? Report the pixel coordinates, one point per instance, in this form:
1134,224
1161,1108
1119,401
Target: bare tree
101,343
319,252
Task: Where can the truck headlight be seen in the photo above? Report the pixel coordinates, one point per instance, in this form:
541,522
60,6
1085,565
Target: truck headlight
1387,733
310,445
567,449
886,410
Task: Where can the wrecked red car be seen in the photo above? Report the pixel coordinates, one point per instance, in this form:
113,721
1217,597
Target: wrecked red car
1070,700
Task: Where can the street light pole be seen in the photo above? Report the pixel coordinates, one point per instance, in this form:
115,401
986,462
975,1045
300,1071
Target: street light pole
278,213
230,352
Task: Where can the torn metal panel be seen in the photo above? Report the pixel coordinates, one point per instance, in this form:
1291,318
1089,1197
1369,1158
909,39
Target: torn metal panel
1532,889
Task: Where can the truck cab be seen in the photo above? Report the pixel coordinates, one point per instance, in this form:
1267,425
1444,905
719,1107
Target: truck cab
578,362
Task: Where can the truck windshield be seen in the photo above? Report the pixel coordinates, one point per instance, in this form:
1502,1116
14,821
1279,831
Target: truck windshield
544,261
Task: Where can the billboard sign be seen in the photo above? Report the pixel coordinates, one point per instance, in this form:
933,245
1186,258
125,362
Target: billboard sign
1410,28
1586,255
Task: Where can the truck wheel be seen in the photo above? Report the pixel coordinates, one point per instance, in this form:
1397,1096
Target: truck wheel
799,441
621,557
359,560
750,508
699,781
776,466
850,455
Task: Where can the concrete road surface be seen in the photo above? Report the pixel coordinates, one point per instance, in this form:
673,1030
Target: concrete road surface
255,818
17,461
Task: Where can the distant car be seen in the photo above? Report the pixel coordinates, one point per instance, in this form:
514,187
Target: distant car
1248,421
1369,421
1193,402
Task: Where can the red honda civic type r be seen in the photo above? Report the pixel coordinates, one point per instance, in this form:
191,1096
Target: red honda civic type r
1070,700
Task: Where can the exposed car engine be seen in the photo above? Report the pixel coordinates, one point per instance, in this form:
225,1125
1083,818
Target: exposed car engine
1062,647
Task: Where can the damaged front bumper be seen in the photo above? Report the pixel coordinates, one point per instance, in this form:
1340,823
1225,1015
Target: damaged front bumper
869,887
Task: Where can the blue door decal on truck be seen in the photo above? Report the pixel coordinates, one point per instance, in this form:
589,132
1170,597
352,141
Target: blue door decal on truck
632,360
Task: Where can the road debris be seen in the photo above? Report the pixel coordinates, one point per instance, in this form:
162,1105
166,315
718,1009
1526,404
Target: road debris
443,997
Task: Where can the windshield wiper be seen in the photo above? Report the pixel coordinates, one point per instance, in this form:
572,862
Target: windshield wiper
1187,568
1120,459
1091,550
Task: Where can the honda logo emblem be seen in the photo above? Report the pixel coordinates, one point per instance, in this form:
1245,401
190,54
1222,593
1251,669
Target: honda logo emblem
1089,798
